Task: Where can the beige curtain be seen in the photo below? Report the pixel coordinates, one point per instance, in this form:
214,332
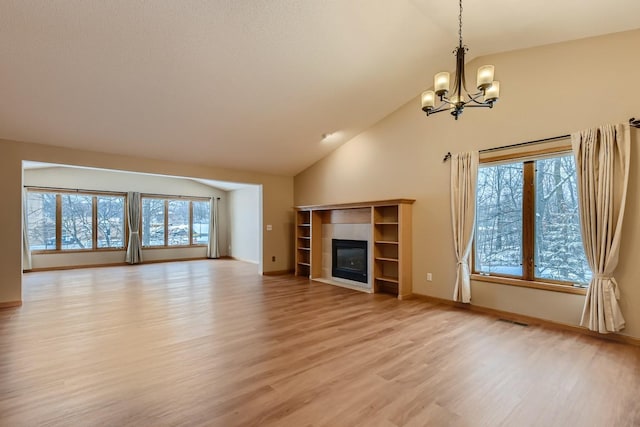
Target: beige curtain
26,251
464,177
213,247
602,164
134,248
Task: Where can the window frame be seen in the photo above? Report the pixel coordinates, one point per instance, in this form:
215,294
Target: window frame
94,215
166,199
528,278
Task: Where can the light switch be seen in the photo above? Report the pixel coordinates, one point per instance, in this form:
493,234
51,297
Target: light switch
269,227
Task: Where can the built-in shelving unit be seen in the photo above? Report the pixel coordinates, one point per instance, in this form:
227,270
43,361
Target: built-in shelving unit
392,264
303,242
391,236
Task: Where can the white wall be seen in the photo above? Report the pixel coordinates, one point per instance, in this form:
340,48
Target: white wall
244,230
104,180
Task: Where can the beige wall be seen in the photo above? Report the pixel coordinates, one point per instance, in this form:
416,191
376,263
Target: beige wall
95,179
546,91
276,207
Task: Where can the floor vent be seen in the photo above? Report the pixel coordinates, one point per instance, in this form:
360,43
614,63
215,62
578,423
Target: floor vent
515,322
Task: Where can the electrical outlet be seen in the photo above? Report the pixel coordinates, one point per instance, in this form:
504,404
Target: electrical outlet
273,258
429,277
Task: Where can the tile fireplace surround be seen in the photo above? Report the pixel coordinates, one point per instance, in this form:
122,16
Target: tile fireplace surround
347,232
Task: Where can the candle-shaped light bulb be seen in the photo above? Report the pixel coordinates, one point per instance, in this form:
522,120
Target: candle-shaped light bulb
485,76
492,93
428,100
441,83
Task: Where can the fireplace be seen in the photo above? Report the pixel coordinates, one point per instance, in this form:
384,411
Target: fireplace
349,259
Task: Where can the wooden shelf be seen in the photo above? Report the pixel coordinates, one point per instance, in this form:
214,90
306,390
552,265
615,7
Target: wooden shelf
303,246
388,279
386,242
389,288
386,223
387,259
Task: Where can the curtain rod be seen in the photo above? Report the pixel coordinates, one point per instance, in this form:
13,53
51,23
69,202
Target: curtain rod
72,190
633,122
78,190
171,196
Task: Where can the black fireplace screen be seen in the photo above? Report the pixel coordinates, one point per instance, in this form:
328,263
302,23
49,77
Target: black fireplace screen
349,259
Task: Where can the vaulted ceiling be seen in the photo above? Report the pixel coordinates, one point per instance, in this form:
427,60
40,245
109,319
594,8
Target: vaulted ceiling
244,84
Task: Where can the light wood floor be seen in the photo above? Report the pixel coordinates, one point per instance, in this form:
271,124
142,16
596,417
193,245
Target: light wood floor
210,343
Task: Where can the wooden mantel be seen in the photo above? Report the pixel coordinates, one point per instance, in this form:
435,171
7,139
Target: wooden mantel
391,256
356,204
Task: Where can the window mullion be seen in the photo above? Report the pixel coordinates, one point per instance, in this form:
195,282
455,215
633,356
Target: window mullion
94,220
190,222
166,222
528,221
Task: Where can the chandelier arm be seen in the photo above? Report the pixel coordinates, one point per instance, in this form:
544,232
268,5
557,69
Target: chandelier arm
437,110
446,105
477,105
474,98
445,101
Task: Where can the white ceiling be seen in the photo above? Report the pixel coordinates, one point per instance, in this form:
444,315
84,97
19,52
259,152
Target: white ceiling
247,84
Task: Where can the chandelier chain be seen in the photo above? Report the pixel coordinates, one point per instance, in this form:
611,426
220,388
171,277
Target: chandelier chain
460,23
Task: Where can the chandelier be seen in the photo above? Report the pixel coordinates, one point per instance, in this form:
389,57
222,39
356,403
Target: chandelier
488,89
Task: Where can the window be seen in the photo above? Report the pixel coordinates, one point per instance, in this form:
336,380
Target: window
111,220
63,221
499,223
152,222
178,223
201,216
528,224
174,221
77,221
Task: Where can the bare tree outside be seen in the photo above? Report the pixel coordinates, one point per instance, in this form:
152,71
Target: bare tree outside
178,226
559,254
499,219
111,221
201,216
558,250
152,222
41,220
186,222
77,220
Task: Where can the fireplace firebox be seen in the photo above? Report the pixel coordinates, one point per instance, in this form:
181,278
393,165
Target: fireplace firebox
349,259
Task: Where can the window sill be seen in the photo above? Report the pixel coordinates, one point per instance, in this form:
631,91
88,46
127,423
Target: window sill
174,247
530,284
75,251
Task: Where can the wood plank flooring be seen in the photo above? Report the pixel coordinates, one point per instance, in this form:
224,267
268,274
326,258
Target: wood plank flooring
211,343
